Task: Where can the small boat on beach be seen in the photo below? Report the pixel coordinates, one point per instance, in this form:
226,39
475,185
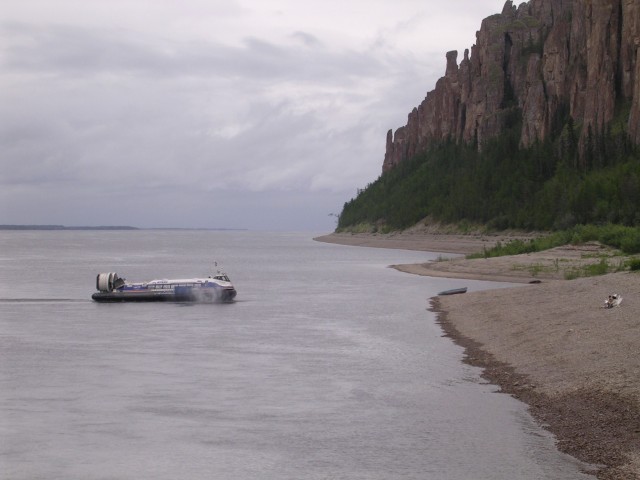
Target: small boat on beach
453,291
216,288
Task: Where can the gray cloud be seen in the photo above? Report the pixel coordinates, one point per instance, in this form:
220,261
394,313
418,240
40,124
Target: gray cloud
107,121
76,51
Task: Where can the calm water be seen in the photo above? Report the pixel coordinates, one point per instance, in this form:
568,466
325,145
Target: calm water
328,366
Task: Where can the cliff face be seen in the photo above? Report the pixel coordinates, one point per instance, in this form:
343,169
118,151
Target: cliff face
545,58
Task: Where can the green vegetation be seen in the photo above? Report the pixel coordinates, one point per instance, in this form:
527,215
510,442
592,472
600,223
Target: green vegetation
551,186
626,239
601,268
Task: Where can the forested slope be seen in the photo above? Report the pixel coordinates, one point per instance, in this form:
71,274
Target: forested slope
538,127
546,186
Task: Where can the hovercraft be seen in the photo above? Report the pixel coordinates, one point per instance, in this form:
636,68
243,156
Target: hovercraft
216,288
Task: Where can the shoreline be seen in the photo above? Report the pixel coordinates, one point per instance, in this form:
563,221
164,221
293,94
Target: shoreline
420,240
551,345
593,425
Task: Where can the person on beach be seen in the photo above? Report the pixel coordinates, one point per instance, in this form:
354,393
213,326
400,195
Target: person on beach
612,301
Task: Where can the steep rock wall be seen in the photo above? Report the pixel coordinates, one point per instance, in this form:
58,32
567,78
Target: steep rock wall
543,59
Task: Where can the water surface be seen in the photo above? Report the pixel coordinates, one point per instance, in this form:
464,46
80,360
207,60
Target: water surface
328,366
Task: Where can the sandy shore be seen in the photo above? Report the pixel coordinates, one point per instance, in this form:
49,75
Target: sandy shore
551,344
420,240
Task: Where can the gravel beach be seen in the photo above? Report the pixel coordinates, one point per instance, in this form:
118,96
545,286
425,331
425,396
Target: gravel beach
549,343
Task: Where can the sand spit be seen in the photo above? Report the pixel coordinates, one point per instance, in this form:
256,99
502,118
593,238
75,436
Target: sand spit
550,344
420,240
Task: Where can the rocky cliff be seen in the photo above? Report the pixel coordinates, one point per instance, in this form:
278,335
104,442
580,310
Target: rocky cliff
544,60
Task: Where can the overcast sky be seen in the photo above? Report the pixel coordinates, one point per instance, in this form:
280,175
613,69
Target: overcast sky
258,114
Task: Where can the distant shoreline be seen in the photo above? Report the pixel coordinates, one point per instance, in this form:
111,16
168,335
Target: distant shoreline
107,227
63,227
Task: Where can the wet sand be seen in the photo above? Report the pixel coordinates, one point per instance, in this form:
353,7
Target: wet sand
550,344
